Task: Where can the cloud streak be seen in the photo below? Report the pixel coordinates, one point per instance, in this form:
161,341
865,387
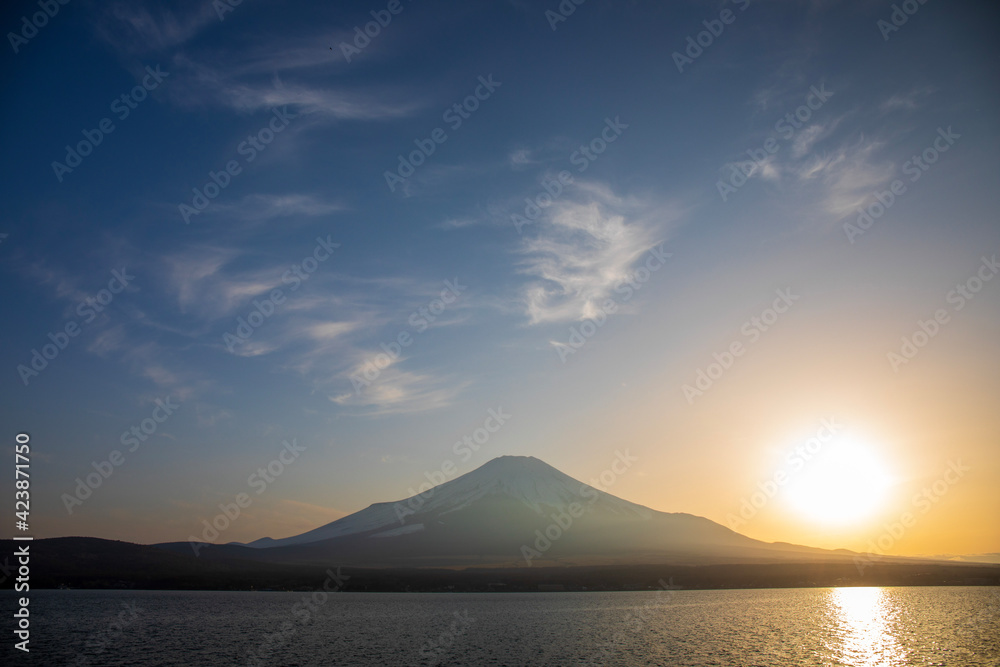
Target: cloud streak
584,247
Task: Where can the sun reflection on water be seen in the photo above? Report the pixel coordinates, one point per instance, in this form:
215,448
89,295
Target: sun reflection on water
866,627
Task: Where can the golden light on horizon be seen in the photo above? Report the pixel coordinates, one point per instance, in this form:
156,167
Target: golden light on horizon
846,484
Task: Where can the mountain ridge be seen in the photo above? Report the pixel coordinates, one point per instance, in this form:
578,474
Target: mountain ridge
519,510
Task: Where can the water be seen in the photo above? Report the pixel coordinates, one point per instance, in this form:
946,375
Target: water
775,627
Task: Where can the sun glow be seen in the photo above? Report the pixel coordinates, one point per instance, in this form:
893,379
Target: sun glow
844,483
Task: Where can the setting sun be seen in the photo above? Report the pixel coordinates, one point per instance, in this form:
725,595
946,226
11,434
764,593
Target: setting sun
845,483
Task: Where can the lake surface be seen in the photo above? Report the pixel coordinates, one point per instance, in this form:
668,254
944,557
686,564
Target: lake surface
819,626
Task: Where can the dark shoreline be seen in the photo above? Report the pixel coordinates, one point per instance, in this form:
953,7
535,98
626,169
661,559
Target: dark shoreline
90,563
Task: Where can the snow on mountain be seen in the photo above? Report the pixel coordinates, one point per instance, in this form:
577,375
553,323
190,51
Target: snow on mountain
518,510
527,479
530,481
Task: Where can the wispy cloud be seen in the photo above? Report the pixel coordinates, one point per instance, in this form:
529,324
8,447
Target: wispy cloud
258,208
158,365
139,27
327,331
208,415
520,158
584,247
836,172
909,101
847,174
203,280
457,223
215,84
810,135
396,391
324,336
65,284
277,69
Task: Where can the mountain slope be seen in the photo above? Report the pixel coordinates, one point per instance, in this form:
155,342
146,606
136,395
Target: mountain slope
532,482
518,510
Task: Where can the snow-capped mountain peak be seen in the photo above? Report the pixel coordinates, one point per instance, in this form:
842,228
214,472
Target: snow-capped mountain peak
525,479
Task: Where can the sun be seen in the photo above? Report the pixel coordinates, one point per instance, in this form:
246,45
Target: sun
844,483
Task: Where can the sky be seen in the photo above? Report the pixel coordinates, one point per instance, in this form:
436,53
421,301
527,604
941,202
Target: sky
747,246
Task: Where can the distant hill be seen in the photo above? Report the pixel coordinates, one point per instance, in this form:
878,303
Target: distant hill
85,562
89,562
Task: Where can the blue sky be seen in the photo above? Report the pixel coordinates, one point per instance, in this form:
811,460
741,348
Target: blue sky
605,78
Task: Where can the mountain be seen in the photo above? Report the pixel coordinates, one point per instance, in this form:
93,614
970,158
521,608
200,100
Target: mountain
479,532
524,479
517,511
